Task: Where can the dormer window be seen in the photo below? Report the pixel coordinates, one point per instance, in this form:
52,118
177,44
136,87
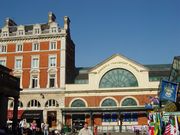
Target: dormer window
37,29
53,27
53,30
20,32
5,34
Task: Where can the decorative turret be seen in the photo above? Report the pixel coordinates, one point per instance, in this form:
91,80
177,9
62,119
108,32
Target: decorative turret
66,23
51,17
9,22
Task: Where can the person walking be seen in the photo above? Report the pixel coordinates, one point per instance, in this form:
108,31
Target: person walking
85,130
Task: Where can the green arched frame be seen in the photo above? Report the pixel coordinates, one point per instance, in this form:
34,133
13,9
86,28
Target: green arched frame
118,78
108,102
129,102
78,103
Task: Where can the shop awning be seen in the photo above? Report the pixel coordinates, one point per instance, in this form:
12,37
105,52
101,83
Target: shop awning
32,114
10,114
104,109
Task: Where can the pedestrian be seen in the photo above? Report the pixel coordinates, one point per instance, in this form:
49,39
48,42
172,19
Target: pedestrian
33,127
95,130
85,130
46,129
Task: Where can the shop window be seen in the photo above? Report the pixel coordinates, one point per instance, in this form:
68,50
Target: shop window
130,117
108,117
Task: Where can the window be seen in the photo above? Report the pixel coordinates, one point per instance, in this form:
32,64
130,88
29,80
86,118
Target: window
35,47
18,63
3,48
35,62
78,103
34,81
19,48
51,103
5,34
109,102
3,62
130,117
20,32
20,104
53,29
34,103
36,31
52,80
52,61
129,102
118,78
52,45
108,117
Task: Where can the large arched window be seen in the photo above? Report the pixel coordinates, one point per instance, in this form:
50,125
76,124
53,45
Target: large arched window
108,102
34,103
118,78
20,104
51,103
78,103
129,102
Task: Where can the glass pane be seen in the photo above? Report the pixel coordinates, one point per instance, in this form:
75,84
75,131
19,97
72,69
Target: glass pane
129,102
118,78
78,103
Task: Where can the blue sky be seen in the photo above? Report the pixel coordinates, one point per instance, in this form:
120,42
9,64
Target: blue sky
146,31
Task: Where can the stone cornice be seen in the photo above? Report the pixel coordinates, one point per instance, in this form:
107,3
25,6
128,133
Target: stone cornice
33,37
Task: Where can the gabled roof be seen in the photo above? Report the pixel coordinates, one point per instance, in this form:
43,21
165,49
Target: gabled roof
118,55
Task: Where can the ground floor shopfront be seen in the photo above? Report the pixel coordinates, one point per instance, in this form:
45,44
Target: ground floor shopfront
107,119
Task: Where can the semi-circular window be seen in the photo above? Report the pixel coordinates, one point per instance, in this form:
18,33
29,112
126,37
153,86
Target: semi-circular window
34,103
51,103
109,102
20,104
118,78
78,103
129,102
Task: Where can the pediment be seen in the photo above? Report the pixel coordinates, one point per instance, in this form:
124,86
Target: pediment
118,61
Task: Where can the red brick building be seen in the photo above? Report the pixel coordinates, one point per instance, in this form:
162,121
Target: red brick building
42,56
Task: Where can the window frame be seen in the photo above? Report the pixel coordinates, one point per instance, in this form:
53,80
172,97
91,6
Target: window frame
17,65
